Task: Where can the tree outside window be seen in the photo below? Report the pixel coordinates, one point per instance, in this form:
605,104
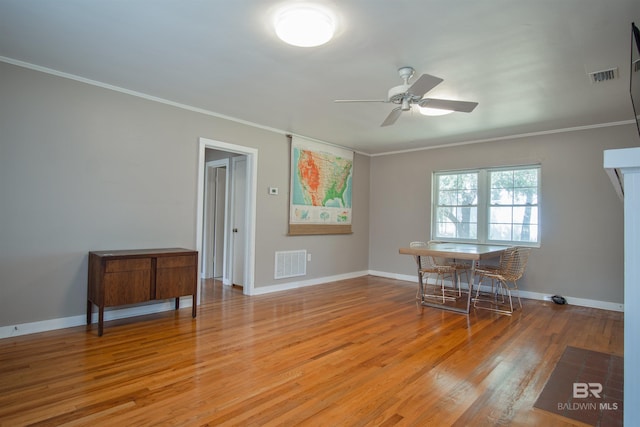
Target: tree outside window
487,205
457,210
513,208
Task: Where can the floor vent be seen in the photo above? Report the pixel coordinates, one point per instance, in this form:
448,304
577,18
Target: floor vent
290,264
604,75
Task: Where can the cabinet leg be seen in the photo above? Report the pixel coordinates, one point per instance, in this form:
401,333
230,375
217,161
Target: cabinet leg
193,306
177,303
100,320
89,311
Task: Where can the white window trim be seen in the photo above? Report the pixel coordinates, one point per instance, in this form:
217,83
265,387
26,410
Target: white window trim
483,205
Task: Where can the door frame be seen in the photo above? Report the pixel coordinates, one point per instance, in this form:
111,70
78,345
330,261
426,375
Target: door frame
252,191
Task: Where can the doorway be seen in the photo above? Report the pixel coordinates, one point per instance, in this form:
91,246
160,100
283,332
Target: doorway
216,216
241,181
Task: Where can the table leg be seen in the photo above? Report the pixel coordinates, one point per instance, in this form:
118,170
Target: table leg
193,306
472,276
420,282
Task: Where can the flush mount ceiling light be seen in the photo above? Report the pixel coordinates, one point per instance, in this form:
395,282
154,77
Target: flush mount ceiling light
426,111
305,24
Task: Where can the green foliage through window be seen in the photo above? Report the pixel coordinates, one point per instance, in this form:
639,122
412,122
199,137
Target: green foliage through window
487,205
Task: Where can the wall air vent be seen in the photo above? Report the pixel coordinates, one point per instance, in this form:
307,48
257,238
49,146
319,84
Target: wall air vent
604,75
290,264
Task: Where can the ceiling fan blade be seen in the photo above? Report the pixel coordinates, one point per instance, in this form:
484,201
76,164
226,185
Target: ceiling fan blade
392,117
424,84
359,100
448,104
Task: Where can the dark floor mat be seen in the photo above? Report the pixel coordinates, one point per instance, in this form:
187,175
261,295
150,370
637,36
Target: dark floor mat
585,386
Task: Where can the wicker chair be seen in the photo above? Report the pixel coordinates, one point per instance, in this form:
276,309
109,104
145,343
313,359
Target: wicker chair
427,266
459,267
504,279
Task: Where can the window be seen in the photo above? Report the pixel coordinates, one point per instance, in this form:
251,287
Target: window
497,205
513,205
457,207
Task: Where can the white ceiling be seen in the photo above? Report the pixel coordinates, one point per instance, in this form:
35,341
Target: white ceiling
525,62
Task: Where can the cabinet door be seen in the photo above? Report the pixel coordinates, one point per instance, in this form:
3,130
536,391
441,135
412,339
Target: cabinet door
176,276
127,281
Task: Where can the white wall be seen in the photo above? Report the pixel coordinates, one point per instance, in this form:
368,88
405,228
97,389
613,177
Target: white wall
581,255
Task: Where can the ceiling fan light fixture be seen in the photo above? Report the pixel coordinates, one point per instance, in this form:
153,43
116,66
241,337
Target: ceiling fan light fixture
305,24
427,111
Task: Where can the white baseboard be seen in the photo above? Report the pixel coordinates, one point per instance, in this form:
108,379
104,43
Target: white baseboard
68,322
582,302
603,305
303,283
395,276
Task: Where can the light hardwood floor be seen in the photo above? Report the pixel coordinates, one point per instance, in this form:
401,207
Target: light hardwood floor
355,352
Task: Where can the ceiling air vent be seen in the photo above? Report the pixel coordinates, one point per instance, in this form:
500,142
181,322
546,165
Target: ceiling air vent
604,75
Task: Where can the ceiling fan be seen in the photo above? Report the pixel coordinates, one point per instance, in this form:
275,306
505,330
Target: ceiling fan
407,95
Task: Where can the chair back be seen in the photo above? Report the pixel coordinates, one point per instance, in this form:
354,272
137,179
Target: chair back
437,260
418,245
515,263
507,259
427,261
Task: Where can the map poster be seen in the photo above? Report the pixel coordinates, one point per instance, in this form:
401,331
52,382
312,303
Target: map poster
321,188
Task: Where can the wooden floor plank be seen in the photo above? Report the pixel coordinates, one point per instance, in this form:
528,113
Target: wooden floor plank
354,352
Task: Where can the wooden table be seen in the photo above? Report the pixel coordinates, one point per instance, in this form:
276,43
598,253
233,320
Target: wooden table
459,251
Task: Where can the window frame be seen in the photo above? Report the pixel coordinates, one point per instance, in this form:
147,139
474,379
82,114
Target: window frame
484,204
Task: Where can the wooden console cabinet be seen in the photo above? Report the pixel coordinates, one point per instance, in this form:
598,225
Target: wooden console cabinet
134,276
